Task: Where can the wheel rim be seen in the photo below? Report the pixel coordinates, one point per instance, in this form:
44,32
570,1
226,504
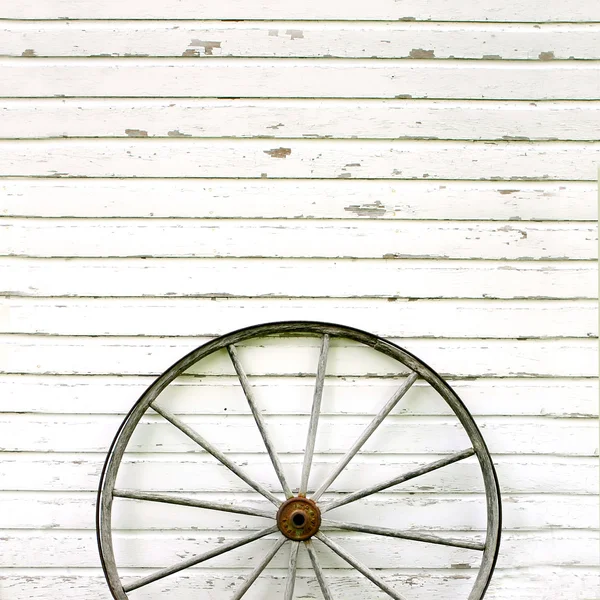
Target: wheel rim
417,370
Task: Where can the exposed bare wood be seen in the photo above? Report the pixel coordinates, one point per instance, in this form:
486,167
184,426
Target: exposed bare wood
396,480
368,573
196,437
366,434
169,499
291,574
195,560
259,568
405,535
314,559
314,416
260,422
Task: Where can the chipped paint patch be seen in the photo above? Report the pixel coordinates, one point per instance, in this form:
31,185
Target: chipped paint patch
275,126
208,46
373,210
29,52
344,176
508,191
508,228
191,52
403,96
295,34
547,55
491,57
178,134
516,138
420,53
278,152
136,133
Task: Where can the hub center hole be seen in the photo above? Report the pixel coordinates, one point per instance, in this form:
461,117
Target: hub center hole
298,519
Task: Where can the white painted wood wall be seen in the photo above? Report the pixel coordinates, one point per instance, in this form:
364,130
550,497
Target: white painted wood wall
174,170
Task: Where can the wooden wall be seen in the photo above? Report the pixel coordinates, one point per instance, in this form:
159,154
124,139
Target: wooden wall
174,170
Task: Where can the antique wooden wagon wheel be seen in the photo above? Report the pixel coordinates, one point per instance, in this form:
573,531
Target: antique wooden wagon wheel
299,517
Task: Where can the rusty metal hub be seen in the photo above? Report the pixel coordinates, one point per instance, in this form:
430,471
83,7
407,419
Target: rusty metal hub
299,518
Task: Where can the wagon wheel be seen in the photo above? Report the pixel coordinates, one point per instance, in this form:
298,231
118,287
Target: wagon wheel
299,519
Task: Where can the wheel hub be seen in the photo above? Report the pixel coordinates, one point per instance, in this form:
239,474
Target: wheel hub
299,518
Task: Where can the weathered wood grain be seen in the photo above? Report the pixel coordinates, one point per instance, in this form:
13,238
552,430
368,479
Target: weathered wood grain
299,78
221,396
301,159
179,473
151,356
369,239
297,278
288,119
302,39
536,11
420,435
205,317
300,199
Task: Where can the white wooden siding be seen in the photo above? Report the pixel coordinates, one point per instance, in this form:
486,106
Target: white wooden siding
487,41
536,11
516,200
170,171
299,78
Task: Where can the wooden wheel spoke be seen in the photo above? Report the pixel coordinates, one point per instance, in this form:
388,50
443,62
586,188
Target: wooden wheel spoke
291,578
406,535
314,415
314,559
360,567
366,434
396,480
194,435
259,419
181,500
260,568
195,560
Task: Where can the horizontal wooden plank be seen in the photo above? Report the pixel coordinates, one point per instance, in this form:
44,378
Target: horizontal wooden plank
157,550
566,583
301,40
239,434
300,199
151,356
287,119
52,510
396,10
280,239
220,395
198,472
301,159
299,78
418,318
297,278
